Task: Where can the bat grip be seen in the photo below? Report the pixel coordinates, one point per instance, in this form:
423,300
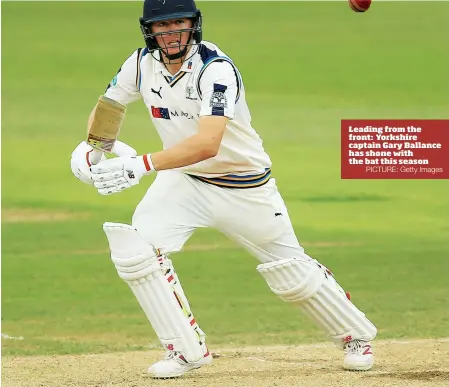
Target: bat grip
95,157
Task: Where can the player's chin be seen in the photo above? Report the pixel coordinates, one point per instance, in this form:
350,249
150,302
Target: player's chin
174,50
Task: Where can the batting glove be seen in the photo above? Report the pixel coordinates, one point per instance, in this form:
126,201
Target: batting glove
82,159
115,175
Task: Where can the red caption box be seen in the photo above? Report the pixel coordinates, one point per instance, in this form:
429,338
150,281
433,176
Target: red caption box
395,149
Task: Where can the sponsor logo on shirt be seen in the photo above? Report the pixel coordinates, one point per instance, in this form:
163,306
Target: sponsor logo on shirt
175,113
166,113
160,112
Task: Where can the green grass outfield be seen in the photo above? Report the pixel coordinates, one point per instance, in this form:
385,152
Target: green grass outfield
305,67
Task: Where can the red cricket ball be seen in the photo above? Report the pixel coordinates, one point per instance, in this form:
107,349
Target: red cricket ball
359,5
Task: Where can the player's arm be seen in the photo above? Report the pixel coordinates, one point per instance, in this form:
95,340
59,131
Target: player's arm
219,89
118,174
105,120
123,87
201,146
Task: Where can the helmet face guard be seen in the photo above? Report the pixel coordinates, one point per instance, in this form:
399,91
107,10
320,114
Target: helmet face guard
156,15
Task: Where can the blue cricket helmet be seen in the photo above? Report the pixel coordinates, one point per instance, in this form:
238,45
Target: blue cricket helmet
158,10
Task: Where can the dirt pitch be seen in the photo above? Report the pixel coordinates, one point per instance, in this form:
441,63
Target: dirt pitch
398,363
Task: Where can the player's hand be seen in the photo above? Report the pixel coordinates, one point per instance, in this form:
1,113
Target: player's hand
115,175
82,159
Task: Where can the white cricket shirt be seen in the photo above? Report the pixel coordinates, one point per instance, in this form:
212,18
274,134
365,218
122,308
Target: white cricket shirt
207,84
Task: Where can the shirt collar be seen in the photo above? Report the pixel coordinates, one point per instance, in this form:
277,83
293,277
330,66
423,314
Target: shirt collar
187,67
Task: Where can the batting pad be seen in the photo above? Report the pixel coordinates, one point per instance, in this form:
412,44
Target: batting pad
164,305
312,287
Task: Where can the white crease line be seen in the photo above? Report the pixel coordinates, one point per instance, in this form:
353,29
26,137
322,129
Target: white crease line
280,361
270,348
421,341
257,359
6,336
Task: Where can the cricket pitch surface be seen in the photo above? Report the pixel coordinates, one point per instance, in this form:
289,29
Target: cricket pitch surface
398,363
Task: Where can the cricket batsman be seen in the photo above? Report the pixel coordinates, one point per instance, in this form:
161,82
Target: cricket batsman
212,172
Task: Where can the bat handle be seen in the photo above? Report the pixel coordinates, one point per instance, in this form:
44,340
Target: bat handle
95,157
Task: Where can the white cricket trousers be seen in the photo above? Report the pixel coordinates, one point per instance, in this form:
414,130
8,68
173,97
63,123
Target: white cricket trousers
176,205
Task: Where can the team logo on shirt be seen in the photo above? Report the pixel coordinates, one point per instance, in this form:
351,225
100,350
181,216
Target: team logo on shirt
114,81
218,100
190,91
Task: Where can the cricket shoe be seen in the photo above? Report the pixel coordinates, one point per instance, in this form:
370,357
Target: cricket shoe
358,356
174,365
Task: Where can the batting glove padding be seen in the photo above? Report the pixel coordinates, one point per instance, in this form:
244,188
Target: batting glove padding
115,175
82,159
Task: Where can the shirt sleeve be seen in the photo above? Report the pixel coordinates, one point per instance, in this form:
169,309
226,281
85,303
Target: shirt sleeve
219,88
123,88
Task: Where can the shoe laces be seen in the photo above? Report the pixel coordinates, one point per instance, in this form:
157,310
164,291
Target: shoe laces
175,355
170,355
354,346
